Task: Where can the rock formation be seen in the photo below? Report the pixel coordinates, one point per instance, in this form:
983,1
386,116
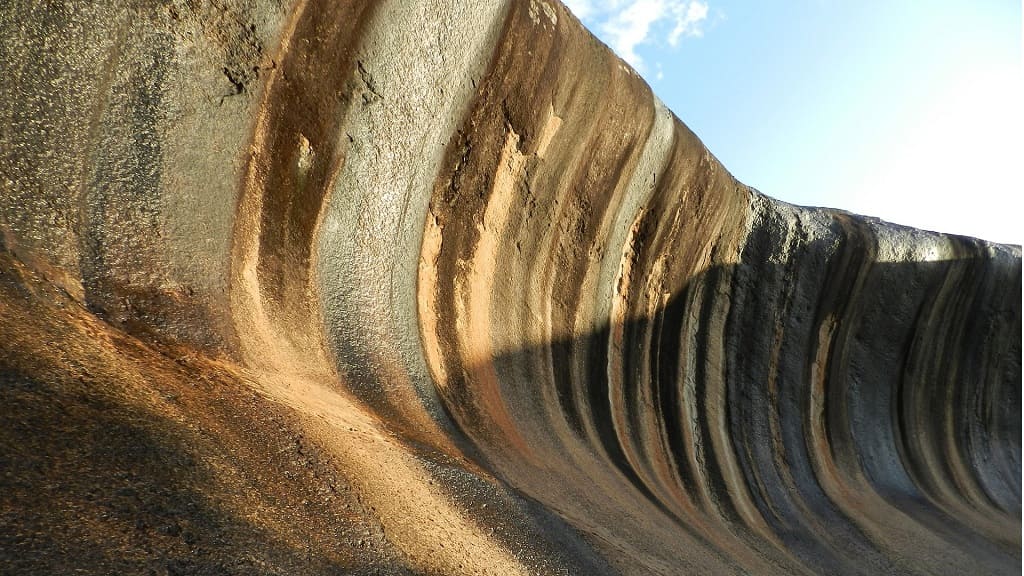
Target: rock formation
440,287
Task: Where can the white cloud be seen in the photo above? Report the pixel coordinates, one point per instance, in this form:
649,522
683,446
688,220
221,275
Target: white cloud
627,24
688,17
631,26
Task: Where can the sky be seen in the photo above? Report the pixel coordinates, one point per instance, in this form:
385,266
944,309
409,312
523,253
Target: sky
908,110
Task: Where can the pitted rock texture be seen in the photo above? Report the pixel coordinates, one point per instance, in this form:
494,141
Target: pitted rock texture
441,287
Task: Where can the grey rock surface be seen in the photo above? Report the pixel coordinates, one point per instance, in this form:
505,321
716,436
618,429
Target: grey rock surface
442,288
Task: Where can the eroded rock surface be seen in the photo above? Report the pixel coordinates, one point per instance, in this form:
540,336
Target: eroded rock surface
442,288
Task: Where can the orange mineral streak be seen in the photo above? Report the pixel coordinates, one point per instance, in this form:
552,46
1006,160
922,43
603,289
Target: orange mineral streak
473,295
426,295
281,335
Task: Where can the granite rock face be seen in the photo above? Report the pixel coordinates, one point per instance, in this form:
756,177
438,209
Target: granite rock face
442,288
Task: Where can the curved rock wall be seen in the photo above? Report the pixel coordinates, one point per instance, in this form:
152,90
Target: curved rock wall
462,252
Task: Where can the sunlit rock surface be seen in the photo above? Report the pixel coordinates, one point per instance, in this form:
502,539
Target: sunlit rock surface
441,288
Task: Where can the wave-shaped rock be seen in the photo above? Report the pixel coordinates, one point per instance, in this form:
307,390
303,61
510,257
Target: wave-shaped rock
441,287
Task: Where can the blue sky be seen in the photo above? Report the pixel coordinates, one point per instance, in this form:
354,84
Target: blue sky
908,110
